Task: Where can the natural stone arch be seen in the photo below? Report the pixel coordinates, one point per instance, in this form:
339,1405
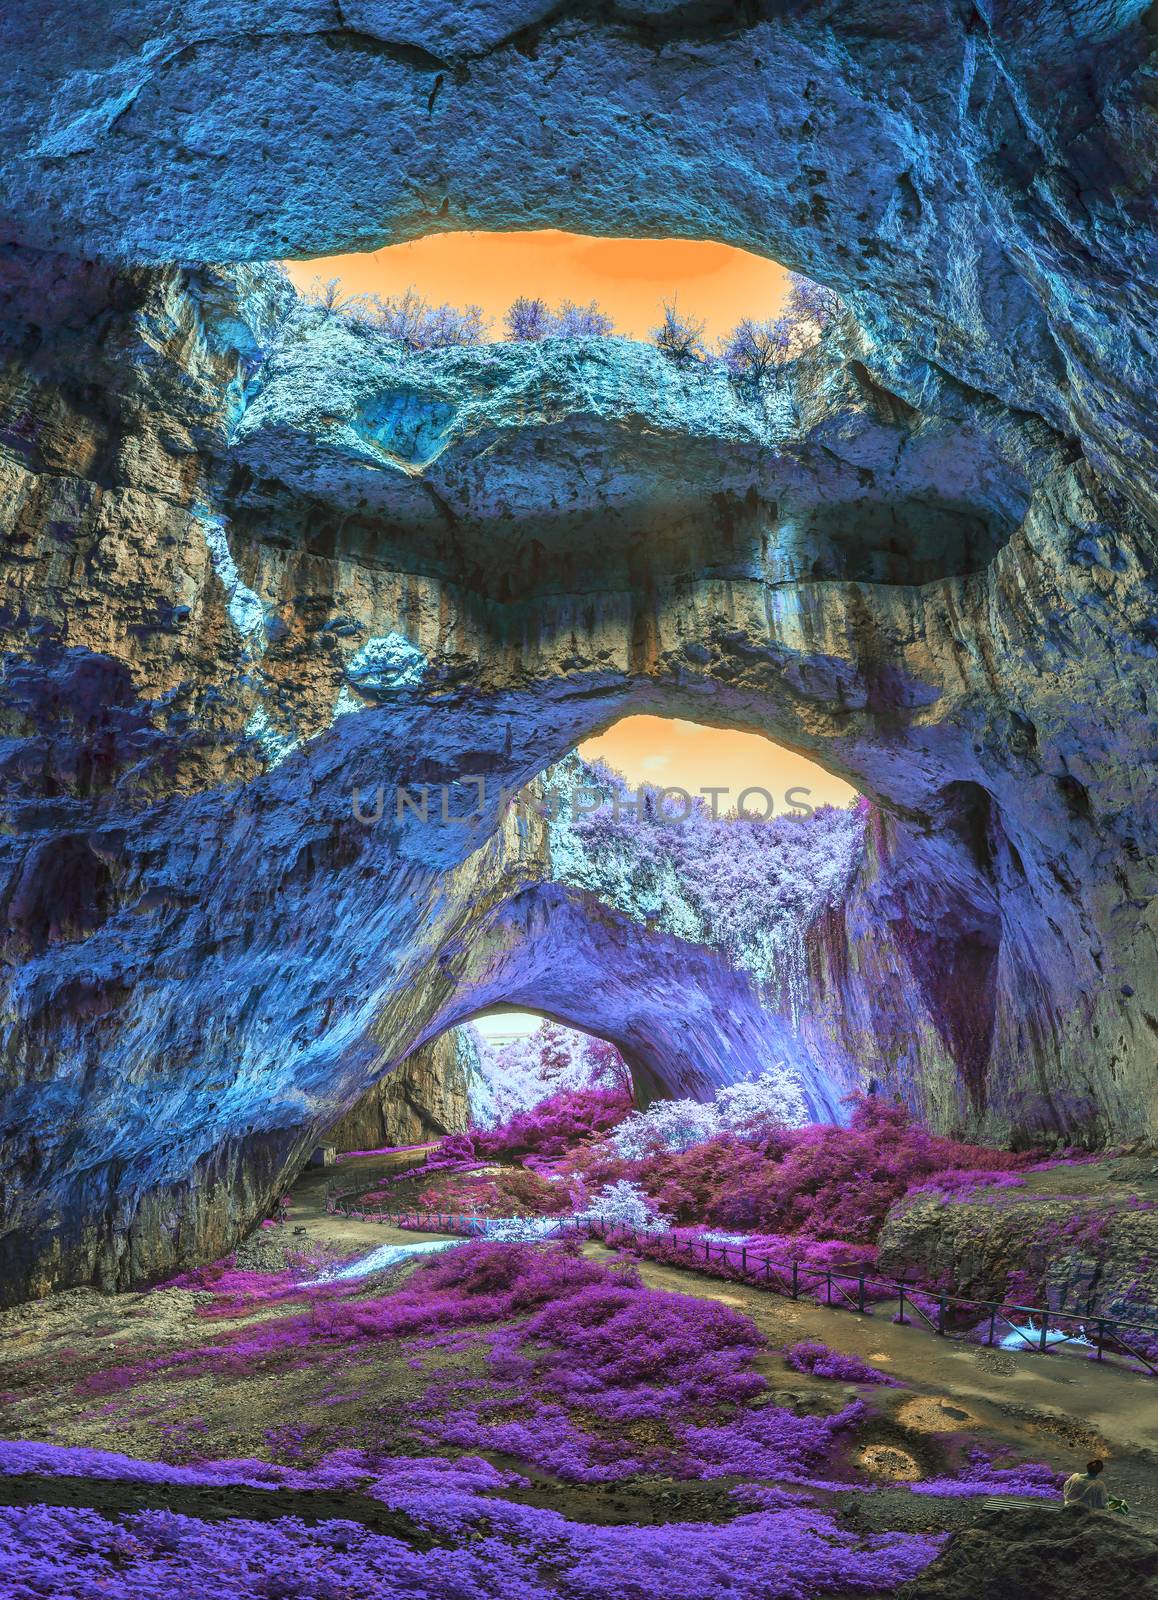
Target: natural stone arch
242,957
683,1017
356,982
934,170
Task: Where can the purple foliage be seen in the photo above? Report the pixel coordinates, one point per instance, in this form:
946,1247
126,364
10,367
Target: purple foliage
822,1181
767,1442
528,1070
588,1375
810,302
753,350
549,1130
965,1185
528,319
409,319
532,319
382,1150
581,322
412,321
1031,1479
509,1553
809,1355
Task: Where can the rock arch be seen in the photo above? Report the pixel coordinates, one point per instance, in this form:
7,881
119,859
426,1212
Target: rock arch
204,569
981,183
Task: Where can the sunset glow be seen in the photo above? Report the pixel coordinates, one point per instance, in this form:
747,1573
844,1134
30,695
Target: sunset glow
668,752
630,278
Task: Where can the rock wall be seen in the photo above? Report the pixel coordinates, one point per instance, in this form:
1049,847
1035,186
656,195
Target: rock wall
980,181
210,946
256,562
1078,1239
423,1098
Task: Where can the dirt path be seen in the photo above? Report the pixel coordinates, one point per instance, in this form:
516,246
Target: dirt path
345,1233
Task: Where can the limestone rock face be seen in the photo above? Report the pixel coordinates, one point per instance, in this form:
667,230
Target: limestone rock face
261,569
425,1097
986,179
1076,1239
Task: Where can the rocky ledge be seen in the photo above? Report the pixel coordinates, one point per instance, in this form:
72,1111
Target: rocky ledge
1080,1238
1038,1553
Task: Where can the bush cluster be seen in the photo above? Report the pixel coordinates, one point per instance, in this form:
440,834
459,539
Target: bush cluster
750,353
822,1181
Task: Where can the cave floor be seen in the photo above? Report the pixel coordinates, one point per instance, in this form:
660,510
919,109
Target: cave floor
1058,1408
55,1353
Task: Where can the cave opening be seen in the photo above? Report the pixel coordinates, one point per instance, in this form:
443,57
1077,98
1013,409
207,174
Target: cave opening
621,282
362,439
681,874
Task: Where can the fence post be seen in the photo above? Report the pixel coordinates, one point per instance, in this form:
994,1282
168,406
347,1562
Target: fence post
744,1259
992,1324
1101,1337
828,1287
707,1251
1043,1342
901,1307
860,1291
796,1280
941,1309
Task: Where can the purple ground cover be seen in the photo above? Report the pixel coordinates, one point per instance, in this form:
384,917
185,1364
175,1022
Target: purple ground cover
587,1375
809,1355
524,1554
1028,1480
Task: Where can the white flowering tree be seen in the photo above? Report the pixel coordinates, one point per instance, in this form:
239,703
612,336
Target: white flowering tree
754,1105
623,1205
773,1100
665,1125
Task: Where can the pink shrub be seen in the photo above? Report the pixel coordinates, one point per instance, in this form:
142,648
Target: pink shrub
823,1181
549,1130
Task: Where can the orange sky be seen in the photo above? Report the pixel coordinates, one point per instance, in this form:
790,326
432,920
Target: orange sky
629,277
669,752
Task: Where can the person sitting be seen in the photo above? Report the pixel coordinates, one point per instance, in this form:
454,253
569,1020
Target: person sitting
1086,1488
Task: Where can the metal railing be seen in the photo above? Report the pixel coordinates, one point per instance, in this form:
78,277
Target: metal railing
1037,1327
336,1189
